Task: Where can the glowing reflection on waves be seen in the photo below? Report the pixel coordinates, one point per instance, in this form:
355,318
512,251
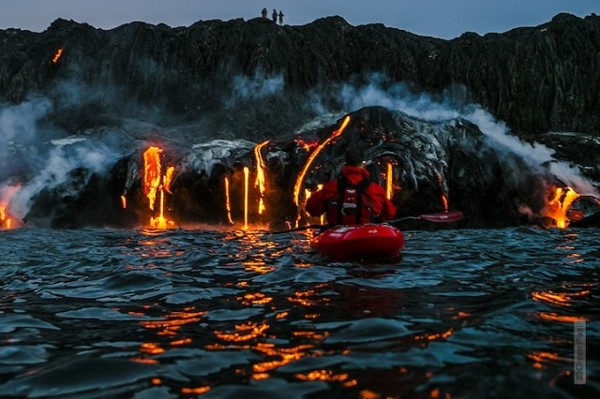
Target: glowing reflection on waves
166,326
557,298
541,358
551,316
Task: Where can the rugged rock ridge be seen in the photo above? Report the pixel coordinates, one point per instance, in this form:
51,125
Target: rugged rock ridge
537,79
433,166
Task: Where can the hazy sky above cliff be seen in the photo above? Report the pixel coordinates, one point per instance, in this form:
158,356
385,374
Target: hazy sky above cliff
439,18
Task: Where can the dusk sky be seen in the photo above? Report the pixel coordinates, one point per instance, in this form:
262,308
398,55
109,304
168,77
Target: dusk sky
440,18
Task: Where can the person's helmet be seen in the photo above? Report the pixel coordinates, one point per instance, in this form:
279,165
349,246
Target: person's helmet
354,157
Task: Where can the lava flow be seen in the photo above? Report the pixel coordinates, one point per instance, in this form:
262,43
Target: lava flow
57,55
558,205
260,176
8,221
155,185
313,155
389,181
5,221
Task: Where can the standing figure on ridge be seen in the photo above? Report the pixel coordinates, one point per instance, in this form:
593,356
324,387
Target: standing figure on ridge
353,198
274,16
263,13
280,17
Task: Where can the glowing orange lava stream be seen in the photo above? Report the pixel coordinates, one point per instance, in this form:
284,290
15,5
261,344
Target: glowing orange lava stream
312,157
558,206
154,183
389,181
260,175
228,200
246,178
57,55
5,221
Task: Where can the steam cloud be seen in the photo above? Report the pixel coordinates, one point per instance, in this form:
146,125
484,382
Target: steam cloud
378,92
253,88
35,154
31,158
19,134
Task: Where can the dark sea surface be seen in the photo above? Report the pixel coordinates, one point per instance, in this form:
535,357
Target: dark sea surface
223,314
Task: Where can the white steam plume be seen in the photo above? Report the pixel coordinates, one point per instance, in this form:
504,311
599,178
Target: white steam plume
397,96
259,86
19,134
67,156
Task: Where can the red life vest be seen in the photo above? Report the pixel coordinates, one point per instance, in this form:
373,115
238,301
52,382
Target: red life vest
351,205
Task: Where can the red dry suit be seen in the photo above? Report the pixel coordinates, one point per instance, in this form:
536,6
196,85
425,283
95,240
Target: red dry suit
352,199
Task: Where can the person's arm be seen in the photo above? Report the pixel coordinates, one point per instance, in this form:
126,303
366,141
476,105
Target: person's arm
316,205
388,209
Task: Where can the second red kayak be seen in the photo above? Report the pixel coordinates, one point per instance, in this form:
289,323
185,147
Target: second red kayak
367,241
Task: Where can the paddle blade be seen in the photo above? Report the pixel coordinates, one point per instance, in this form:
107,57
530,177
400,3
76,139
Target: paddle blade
452,216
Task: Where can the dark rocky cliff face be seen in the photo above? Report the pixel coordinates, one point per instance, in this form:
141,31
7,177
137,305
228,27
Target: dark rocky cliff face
80,106
537,79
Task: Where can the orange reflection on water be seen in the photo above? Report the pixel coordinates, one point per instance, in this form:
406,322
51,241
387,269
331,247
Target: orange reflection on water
551,316
367,394
304,298
257,298
558,298
432,337
154,246
540,358
551,297
256,251
461,315
323,375
311,335
195,391
243,332
167,326
282,356
151,348
281,315
173,322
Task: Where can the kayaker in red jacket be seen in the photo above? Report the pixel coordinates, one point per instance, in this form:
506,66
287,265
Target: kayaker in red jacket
352,199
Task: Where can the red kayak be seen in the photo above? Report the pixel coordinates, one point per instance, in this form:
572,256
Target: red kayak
367,241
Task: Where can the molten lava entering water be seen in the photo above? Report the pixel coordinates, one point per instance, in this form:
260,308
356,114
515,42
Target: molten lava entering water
389,181
155,183
228,200
5,221
152,177
260,176
558,206
246,178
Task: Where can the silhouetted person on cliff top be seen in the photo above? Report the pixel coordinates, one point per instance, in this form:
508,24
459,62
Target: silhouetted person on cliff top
280,17
274,16
263,13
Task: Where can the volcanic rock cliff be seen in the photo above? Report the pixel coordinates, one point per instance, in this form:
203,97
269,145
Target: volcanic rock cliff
81,107
536,79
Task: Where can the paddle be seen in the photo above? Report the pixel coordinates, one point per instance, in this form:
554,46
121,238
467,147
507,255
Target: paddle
310,226
445,217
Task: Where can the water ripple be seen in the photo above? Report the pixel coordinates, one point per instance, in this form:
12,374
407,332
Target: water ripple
184,313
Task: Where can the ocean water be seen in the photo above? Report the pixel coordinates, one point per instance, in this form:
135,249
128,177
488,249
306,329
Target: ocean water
225,314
